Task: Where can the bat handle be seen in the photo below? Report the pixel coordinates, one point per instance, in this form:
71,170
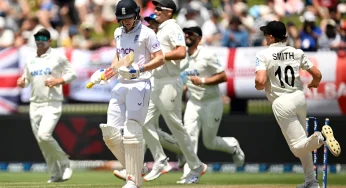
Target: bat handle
90,85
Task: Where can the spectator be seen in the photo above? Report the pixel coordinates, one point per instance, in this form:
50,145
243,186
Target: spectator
330,39
72,31
91,11
211,30
310,33
323,7
85,40
32,25
6,35
234,36
201,13
14,11
293,35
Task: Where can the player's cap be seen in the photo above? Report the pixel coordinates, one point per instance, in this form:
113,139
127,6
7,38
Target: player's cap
275,28
195,29
166,3
43,32
150,17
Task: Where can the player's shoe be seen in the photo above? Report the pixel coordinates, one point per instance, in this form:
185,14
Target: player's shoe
332,143
181,161
130,184
54,180
159,168
310,184
67,173
238,155
121,174
194,176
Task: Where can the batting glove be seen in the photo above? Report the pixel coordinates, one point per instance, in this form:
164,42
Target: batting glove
129,73
96,78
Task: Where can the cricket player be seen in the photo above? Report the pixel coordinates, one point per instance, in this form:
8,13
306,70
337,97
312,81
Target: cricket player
204,108
277,71
166,97
128,106
152,23
46,73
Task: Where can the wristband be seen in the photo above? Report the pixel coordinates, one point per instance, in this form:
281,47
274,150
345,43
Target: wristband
203,80
141,68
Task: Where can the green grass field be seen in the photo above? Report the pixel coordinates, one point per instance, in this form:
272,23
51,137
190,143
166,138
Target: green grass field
210,180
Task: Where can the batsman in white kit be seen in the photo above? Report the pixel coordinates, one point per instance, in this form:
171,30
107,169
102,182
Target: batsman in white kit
277,71
166,98
128,106
204,108
46,73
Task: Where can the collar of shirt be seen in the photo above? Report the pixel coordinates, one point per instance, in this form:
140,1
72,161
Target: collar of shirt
196,52
278,44
163,24
139,25
46,53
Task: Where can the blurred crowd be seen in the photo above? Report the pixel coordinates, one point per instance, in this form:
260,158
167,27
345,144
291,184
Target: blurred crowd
313,25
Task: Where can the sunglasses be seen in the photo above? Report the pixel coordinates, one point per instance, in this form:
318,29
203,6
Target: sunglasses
41,38
162,8
190,33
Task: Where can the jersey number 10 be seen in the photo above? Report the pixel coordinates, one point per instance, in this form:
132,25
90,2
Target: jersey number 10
278,72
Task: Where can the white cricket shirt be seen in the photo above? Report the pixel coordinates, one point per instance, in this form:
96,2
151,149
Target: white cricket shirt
38,69
282,64
202,63
142,41
170,36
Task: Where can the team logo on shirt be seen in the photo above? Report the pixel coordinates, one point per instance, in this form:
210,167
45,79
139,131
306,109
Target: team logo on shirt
180,37
155,45
41,72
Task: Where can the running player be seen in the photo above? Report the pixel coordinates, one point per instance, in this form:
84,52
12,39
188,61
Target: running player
277,71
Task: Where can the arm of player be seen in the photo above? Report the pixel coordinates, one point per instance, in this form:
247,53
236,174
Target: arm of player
261,72
213,80
261,79
68,71
179,52
155,62
23,81
316,77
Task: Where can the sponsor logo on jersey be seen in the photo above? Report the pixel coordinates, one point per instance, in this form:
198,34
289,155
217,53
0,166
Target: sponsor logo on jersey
155,45
41,72
136,38
124,50
191,72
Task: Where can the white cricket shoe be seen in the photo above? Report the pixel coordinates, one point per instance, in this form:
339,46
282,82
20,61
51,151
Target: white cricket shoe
121,174
238,155
332,143
54,180
67,174
130,184
194,176
310,184
159,168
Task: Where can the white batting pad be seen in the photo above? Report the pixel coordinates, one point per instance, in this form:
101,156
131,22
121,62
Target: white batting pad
114,141
133,143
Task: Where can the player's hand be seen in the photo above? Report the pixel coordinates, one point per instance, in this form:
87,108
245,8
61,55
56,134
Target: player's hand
96,78
51,82
21,82
195,80
129,73
313,84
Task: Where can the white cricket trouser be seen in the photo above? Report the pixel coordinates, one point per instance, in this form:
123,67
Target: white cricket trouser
290,113
206,115
166,99
129,101
44,117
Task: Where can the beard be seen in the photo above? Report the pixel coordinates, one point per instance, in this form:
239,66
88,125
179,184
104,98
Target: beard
189,44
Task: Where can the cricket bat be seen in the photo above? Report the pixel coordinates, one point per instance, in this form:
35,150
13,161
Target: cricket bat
109,73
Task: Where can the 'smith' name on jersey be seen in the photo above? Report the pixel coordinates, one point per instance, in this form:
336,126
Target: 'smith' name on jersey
283,56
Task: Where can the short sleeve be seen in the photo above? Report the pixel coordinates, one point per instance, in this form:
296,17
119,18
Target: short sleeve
260,62
176,37
153,43
214,64
305,63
